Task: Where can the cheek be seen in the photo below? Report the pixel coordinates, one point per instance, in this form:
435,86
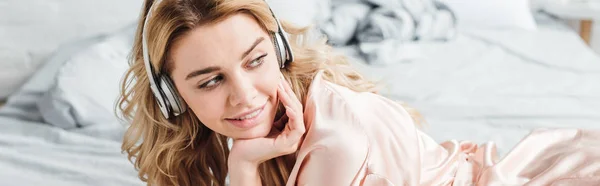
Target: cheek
208,109
269,79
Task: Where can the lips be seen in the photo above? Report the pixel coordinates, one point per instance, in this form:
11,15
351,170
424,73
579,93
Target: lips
247,119
248,114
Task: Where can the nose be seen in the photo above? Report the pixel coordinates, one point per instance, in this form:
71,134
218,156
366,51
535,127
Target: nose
242,90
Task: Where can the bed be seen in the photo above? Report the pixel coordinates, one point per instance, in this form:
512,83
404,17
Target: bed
483,85
494,85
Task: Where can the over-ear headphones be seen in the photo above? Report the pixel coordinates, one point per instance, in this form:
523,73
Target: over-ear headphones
163,88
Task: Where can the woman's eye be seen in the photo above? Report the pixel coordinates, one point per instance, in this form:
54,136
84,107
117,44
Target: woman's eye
257,62
212,82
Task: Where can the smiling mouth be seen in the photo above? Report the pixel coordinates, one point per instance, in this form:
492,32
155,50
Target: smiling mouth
248,116
248,119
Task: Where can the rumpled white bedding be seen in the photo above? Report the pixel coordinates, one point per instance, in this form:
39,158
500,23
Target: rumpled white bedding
382,26
496,85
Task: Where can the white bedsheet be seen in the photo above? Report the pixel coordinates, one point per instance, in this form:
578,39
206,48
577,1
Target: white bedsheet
33,153
492,85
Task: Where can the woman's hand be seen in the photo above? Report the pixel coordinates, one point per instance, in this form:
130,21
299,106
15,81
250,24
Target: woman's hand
249,153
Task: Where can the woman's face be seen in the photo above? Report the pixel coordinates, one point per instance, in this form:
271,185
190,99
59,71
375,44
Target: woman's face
228,75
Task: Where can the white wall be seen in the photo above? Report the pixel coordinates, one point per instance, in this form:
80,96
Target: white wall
596,37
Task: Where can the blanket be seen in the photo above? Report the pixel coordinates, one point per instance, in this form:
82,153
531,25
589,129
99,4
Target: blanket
385,30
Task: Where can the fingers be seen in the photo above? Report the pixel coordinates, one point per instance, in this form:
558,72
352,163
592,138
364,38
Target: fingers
283,96
295,126
295,101
290,113
291,102
292,119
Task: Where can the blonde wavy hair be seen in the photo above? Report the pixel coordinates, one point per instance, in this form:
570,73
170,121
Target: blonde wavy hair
181,150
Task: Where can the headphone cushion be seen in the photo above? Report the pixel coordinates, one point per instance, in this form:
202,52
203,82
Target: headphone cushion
279,49
172,96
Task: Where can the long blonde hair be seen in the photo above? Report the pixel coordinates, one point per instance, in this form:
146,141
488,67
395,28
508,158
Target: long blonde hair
181,150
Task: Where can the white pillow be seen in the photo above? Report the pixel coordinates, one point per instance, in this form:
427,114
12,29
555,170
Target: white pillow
15,68
88,85
495,14
31,30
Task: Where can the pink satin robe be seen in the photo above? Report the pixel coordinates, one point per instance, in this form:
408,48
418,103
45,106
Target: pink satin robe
365,139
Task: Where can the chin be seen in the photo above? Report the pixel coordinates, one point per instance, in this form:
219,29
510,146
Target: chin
259,131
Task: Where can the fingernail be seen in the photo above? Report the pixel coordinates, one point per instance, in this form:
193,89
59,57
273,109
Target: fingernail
281,85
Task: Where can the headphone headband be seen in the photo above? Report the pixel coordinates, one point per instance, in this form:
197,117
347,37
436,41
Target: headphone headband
149,68
283,34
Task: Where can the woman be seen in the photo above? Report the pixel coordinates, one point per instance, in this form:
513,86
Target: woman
206,71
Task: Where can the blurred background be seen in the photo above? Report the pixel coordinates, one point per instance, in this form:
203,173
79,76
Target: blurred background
478,70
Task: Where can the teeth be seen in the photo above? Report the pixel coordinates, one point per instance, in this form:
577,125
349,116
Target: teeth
251,115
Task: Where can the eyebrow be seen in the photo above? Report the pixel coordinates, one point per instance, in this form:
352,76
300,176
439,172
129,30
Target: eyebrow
212,69
258,40
201,71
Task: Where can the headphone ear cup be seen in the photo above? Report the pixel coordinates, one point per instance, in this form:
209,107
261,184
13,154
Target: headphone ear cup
162,105
177,104
279,49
